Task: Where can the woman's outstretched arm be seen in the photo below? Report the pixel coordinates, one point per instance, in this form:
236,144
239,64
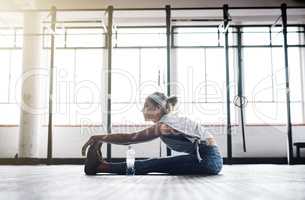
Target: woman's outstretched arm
144,135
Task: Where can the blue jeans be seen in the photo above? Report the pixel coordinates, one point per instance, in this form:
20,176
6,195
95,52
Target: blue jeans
211,163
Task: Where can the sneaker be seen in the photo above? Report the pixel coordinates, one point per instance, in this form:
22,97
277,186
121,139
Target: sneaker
94,158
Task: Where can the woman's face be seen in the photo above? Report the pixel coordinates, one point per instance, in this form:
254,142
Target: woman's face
151,112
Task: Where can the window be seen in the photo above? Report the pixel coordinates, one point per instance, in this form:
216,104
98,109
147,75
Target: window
255,36
139,64
91,37
201,70
77,89
264,75
201,36
139,68
295,81
4,75
85,37
10,73
136,73
196,37
202,84
139,37
7,38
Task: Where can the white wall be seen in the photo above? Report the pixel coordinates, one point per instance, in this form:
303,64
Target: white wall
268,141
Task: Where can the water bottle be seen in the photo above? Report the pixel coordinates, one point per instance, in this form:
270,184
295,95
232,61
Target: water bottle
130,159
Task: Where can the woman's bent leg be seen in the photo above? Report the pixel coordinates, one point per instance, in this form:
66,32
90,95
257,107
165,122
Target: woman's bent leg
212,160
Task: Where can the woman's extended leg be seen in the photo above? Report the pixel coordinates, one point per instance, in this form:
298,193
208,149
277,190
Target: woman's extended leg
211,163
175,165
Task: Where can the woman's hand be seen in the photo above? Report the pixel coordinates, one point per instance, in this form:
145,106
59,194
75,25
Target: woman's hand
91,141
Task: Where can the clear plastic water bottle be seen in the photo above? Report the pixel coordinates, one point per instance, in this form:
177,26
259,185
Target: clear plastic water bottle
130,159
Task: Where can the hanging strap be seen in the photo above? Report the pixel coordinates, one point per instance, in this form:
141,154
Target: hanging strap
240,100
197,142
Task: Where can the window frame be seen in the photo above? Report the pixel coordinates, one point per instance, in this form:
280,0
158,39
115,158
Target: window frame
270,45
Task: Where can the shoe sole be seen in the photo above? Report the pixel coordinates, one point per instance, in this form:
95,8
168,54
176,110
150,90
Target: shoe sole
93,160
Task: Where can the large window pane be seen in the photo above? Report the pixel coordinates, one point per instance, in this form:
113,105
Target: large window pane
10,72
204,112
153,72
127,113
295,35
258,74
295,74
88,75
276,36
125,75
136,74
78,85
272,113
85,37
4,74
139,37
265,113
191,72
12,114
77,114
216,75
202,83
19,37
203,36
7,37
196,37
15,76
296,113
65,65
255,36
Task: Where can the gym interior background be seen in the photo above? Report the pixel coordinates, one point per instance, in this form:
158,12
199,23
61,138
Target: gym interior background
71,69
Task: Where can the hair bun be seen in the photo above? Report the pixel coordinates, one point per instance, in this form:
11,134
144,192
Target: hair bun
172,100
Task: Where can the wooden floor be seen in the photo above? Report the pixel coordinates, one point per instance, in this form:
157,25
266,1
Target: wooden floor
235,181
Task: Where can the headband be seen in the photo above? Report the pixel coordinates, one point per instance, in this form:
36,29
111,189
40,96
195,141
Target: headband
158,100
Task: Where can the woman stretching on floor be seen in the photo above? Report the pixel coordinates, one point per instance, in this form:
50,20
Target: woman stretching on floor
178,133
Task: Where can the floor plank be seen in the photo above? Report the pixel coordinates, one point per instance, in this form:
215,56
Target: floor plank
235,181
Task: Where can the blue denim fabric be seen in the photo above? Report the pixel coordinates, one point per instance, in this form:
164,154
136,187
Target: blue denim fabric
211,162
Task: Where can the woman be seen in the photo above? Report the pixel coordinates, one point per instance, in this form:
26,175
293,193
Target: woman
178,133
